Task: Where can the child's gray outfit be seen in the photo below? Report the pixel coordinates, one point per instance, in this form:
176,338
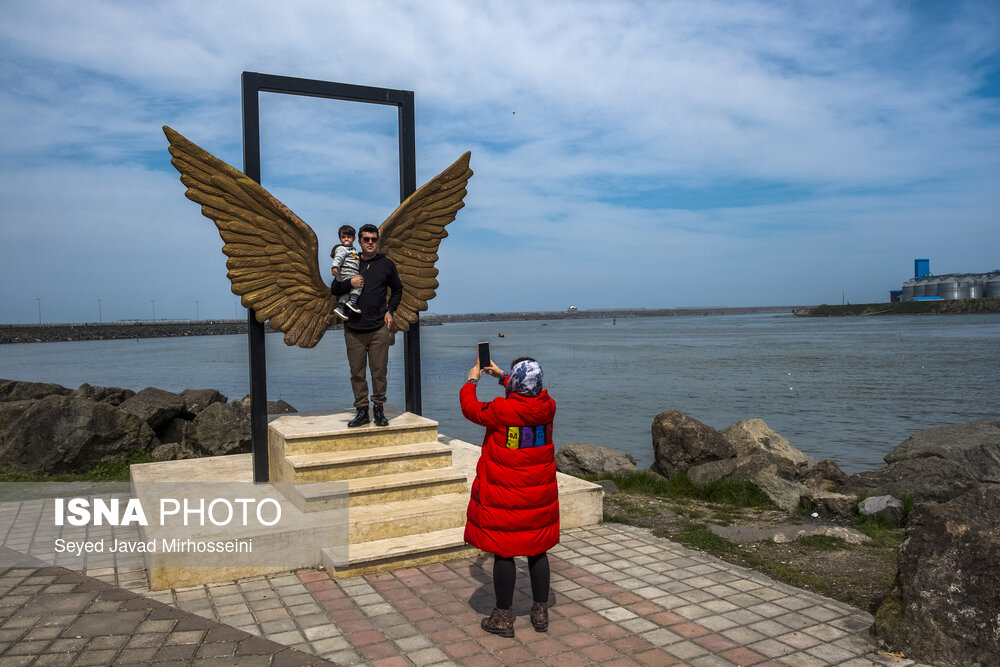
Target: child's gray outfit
345,260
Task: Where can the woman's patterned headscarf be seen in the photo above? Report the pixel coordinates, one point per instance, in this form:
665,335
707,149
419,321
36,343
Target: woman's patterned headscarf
525,379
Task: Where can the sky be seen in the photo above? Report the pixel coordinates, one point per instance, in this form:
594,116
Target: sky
655,154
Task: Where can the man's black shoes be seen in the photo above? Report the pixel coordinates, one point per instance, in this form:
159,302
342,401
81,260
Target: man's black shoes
361,419
379,419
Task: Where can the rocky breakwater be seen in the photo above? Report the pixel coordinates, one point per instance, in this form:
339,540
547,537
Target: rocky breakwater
944,606
47,428
52,333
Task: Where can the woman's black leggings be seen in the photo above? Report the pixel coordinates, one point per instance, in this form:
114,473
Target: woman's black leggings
504,574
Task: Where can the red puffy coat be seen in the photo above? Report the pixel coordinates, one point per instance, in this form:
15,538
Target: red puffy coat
514,508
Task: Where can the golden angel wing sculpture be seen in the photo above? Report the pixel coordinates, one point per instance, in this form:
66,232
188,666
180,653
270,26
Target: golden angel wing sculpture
273,255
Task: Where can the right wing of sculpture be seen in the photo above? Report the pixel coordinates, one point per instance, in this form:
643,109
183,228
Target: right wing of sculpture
273,255
411,235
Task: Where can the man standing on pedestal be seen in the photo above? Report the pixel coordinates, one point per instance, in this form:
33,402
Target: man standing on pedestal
367,334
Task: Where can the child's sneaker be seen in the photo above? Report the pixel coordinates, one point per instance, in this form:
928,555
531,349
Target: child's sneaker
353,305
339,312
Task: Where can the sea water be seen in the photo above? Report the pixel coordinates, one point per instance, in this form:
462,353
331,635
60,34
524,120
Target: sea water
849,389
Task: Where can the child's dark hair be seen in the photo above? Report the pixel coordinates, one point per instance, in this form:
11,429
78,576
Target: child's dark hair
520,359
346,230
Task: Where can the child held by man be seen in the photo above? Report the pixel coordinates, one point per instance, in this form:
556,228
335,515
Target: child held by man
345,265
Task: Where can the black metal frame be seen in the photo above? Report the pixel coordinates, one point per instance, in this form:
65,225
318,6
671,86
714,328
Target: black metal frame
254,84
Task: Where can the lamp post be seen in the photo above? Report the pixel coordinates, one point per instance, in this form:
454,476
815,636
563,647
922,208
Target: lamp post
100,316
197,311
39,309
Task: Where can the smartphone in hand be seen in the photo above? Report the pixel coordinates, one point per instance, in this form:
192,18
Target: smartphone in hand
484,355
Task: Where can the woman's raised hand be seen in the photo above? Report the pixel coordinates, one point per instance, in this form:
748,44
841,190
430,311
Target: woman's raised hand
494,370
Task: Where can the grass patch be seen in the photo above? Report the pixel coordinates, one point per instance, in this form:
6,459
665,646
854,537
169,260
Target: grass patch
732,492
881,534
908,501
699,536
117,471
827,542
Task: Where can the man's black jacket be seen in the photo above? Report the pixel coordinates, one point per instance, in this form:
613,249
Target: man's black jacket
380,277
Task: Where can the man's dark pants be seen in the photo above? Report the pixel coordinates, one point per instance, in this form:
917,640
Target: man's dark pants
371,347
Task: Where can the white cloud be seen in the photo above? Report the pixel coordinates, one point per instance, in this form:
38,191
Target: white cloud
697,142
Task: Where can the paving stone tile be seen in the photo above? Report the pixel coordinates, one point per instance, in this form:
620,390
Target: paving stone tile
638,625
770,628
827,633
617,614
799,640
427,656
330,645
803,660
742,635
821,613
772,648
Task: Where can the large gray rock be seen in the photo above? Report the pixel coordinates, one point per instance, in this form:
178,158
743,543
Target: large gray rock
704,474
582,458
768,474
829,503
70,434
154,406
278,407
825,475
928,478
10,412
221,428
751,434
172,451
944,608
680,442
196,400
111,395
16,390
975,445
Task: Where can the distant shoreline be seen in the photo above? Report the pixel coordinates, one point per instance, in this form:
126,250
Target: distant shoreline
51,333
942,307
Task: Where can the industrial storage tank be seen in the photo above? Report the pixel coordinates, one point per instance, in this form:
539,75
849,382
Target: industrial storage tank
931,289
919,289
907,293
993,287
970,289
949,289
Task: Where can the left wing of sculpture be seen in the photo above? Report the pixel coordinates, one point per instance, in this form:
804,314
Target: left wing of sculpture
273,261
411,235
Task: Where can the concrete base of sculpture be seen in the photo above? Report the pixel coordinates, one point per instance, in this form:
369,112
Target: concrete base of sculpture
355,501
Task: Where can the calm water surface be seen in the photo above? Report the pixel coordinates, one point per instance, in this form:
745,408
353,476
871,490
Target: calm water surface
850,389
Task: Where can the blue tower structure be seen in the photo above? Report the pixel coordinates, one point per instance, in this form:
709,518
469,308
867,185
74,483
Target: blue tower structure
921,268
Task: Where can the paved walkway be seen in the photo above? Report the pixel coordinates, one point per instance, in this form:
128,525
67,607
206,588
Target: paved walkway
620,597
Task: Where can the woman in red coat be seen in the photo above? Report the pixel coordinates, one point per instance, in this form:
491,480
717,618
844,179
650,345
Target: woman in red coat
514,507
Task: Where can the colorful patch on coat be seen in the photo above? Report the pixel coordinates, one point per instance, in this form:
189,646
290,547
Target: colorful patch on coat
524,437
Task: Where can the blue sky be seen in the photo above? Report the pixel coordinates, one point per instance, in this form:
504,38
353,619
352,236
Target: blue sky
627,154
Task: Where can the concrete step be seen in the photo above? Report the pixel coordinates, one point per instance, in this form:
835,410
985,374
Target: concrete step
406,517
357,463
410,485
311,432
396,552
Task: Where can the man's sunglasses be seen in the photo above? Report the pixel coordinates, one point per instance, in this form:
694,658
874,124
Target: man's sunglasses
369,239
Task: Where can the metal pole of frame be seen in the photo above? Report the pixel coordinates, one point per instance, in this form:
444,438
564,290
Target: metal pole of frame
255,329
253,84
407,186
